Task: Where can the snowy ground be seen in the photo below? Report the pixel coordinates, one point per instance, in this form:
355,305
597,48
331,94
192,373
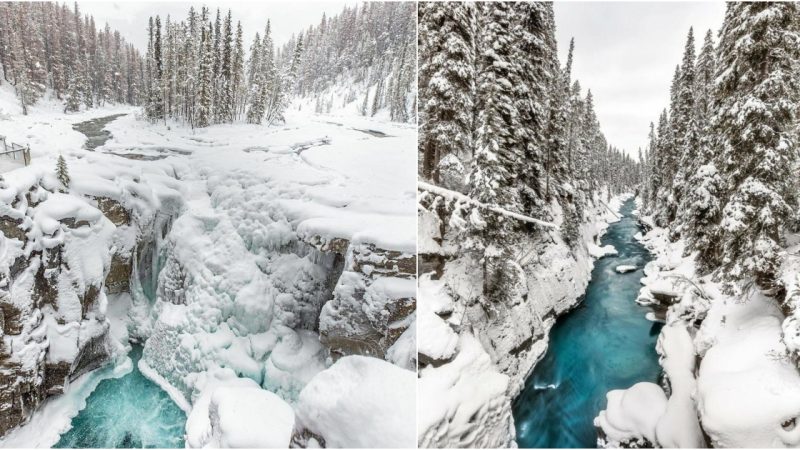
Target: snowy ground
726,361
239,199
480,359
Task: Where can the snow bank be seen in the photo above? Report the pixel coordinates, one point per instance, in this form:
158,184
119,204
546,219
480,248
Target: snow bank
464,403
678,427
746,391
360,402
597,252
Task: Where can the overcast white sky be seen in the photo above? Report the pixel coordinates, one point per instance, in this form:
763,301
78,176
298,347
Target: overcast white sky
287,17
626,52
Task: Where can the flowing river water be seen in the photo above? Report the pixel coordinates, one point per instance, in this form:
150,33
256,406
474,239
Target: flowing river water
127,412
605,343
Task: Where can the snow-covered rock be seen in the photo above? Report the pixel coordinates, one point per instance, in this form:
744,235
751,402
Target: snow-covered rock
625,268
359,402
240,417
632,415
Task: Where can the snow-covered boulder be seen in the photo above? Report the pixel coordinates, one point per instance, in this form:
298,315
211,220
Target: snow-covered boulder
595,251
631,415
240,417
359,402
625,268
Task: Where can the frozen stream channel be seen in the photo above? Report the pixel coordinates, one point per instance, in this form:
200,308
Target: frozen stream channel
605,343
95,131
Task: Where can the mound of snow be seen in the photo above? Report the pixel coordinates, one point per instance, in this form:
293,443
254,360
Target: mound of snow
360,402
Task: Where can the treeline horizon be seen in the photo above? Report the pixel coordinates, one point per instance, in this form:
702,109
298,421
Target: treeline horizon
46,45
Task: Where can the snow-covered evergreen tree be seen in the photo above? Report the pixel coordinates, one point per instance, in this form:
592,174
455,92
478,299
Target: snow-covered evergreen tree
447,83
756,104
686,129
498,154
62,172
205,78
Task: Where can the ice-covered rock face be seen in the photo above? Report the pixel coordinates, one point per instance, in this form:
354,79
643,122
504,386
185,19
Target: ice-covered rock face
373,303
55,256
61,251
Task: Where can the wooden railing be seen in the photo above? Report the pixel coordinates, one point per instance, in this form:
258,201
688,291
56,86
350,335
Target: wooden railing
13,155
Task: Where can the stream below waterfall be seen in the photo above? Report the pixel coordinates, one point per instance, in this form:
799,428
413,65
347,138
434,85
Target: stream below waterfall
131,411
604,344
127,412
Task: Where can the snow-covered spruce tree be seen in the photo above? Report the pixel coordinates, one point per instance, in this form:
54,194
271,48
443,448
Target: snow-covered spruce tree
587,139
238,82
705,69
667,206
700,211
226,88
535,54
275,98
205,80
654,169
499,156
154,106
255,109
216,70
447,85
62,173
556,159
686,130
756,112
574,125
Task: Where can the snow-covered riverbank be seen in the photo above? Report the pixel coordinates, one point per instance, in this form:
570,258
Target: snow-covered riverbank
732,382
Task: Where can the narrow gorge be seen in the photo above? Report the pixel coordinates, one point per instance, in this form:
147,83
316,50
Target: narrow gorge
604,343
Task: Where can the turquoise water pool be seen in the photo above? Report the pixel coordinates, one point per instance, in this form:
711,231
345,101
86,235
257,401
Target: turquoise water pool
127,412
605,343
